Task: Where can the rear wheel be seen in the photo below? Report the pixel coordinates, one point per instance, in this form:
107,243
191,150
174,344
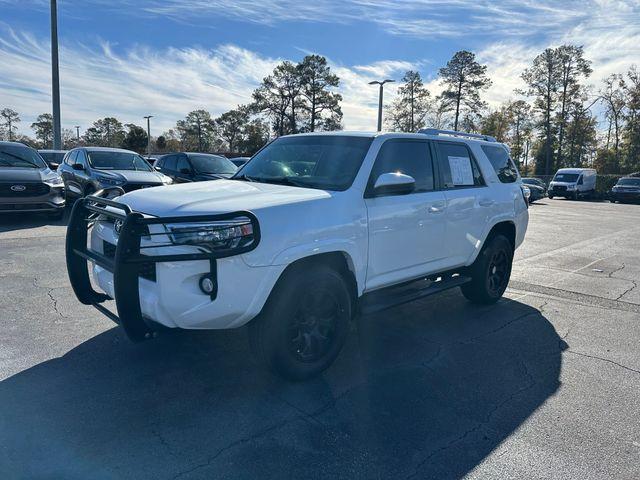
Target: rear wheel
490,272
304,323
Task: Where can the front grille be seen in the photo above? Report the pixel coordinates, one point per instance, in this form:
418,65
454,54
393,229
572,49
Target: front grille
146,270
23,189
15,207
129,187
559,188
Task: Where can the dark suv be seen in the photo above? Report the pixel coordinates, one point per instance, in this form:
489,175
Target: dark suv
27,184
86,170
627,190
195,167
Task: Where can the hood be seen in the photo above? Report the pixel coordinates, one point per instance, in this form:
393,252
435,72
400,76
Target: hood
134,176
23,174
219,196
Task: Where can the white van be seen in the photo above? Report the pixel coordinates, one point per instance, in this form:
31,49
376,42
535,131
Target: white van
574,183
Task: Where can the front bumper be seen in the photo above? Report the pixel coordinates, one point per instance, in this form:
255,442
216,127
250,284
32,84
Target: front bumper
52,200
174,298
625,196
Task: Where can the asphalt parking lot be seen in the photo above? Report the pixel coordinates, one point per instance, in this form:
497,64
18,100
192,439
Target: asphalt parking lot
545,384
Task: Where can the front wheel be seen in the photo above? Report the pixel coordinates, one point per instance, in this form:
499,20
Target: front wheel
304,324
550,197
490,272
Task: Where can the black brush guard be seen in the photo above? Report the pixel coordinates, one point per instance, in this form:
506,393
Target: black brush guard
128,259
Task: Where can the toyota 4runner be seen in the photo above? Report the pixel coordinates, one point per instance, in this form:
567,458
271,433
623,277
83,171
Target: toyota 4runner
313,230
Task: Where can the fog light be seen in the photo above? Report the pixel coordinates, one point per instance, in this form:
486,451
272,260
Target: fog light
207,285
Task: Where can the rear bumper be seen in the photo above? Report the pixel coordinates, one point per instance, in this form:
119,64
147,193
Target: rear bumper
174,299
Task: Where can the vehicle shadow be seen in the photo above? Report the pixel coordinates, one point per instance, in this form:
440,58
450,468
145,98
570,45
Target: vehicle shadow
22,221
427,391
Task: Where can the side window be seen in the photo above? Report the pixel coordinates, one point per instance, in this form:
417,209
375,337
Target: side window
170,163
183,164
411,157
81,158
502,163
70,159
457,166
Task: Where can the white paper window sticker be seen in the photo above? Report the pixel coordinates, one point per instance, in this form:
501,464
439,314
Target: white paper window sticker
461,170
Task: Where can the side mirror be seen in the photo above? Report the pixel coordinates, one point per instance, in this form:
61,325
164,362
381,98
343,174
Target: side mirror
78,166
394,184
53,165
157,168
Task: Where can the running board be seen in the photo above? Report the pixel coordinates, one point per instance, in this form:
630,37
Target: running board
389,297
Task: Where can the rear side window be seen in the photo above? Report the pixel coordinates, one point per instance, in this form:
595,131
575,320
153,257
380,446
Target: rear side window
502,163
183,164
71,158
457,166
410,157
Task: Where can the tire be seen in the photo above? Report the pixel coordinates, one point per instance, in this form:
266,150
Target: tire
550,197
490,272
304,323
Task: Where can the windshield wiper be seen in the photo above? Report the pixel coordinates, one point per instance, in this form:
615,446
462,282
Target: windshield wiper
247,178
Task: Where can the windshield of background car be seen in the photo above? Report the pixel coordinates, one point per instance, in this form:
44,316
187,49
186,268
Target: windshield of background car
566,177
212,164
326,162
629,182
118,161
531,181
55,157
19,156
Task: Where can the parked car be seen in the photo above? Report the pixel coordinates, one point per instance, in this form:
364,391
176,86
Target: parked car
27,184
315,228
53,157
627,190
240,161
537,188
86,170
573,183
195,167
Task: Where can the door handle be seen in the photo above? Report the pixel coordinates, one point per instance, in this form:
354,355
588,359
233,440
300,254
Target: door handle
486,202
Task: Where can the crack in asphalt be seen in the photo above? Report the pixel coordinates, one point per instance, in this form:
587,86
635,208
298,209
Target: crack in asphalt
629,290
616,271
55,303
595,357
209,461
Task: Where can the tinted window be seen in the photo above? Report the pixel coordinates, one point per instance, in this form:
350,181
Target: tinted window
183,164
405,156
212,164
502,164
20,156
457,167
49,157
71,158
81,158
633,182
109,160
169,163
316,161
566,177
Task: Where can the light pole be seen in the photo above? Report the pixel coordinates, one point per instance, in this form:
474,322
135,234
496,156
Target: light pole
199,134
77,127
380,100
55,78
148,117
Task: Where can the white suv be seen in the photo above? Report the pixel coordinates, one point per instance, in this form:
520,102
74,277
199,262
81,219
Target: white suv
314,229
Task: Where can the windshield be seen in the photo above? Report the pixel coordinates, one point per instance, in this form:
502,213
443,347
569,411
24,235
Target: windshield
118,161
566,177
20,156
55,157
212,164
633,182
531,181
325,162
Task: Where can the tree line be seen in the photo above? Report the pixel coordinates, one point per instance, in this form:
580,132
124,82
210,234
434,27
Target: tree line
548,125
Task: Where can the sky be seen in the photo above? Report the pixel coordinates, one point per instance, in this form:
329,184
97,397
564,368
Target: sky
131,58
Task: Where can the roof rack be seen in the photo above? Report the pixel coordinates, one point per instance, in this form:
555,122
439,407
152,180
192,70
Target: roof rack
453,133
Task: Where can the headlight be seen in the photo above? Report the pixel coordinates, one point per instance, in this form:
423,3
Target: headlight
54,181
220,235
571,187
109,180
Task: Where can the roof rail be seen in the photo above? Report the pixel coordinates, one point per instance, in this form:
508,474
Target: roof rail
453,133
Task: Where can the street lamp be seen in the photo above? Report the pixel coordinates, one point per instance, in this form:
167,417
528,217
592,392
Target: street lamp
55,78
77,127
148,117
380,100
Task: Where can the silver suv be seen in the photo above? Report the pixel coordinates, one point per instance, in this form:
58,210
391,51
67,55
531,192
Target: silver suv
27,184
